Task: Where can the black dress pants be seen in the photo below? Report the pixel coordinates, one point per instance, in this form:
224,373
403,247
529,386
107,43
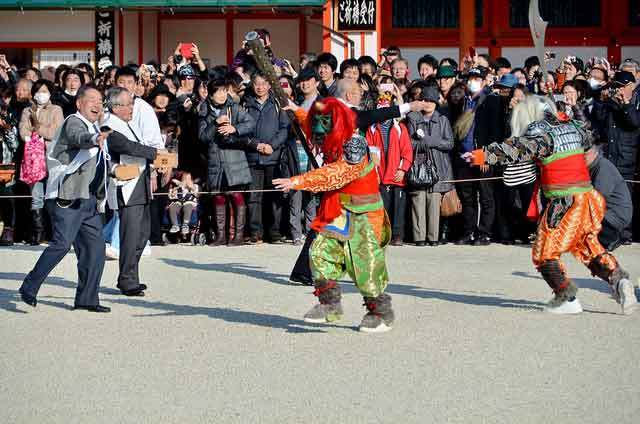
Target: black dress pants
469,193
135,229
80,226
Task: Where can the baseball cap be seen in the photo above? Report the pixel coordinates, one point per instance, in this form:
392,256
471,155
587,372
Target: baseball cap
446,72
506,81
622,78
478,71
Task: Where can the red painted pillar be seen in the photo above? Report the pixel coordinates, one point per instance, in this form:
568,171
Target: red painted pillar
326,22
497,14
615,25
302,35
467,26
229,30
379,29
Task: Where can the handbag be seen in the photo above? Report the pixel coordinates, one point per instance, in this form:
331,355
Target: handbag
34,163
450,204
423,174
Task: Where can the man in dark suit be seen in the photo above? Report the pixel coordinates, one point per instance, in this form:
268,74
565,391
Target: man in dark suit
76,177
130,195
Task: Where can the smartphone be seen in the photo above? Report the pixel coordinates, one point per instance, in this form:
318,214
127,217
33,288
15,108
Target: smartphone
386,87
284,84
185,50
472,52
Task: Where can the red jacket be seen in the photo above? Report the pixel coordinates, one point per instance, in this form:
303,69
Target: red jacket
399,154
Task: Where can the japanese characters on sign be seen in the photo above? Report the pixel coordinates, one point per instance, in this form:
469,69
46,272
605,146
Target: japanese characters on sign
105,39
356,15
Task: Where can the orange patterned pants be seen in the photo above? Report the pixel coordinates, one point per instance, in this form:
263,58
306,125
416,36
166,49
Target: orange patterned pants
577,233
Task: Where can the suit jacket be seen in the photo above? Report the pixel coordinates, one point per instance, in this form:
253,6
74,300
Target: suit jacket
125,147
72,159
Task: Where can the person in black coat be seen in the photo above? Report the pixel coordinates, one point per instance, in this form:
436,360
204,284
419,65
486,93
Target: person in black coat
66,97
609,182
272,128
224,127
616,115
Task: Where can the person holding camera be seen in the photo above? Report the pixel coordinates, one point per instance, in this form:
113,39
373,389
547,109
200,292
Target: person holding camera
617,114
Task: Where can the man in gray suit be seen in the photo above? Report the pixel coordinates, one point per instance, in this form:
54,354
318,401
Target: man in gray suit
77,165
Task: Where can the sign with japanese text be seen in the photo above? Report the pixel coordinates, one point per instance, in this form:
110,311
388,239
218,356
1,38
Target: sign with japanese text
355,15
105,39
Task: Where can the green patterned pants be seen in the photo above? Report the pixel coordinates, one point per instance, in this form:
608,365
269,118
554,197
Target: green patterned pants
361,257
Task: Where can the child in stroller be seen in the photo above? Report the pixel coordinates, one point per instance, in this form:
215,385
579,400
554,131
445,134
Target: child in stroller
183,205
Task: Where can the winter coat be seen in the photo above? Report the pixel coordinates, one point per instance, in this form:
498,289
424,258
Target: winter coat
65,101
436,134
49,121
619,127
226,155
271,127
398,155
608,181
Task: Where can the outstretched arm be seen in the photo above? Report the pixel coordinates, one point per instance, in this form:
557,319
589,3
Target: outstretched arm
334,175
513,150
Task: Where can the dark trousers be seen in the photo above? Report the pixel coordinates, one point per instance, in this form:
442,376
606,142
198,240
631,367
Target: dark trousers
79,225
610,237
301,272
135,229
633,232
512,204
395,202
468,193
262,177
157,208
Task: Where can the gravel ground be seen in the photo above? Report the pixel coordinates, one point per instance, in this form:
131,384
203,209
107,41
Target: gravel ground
219,338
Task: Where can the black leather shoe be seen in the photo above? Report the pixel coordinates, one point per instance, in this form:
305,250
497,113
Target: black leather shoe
434,243
93,308
482,241
142,286
464,240
28,299
138,291
421,243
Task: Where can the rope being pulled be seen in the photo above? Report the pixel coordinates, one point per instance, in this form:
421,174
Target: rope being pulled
209,193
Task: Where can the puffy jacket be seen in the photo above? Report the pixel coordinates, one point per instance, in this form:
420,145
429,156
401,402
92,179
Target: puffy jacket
226,154
433,133
398,155
271,127
619,127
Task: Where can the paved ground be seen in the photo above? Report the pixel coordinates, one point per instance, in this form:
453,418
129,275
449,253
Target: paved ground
219,339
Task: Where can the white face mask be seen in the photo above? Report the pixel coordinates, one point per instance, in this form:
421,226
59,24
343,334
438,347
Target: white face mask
475,86
71,92
594,83
42,98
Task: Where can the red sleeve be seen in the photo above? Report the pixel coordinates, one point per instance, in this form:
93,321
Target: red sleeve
406,149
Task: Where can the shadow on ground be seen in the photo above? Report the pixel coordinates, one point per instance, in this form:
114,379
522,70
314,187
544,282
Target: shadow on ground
466,297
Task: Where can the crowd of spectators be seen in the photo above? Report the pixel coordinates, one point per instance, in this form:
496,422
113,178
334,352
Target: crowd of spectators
233,137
